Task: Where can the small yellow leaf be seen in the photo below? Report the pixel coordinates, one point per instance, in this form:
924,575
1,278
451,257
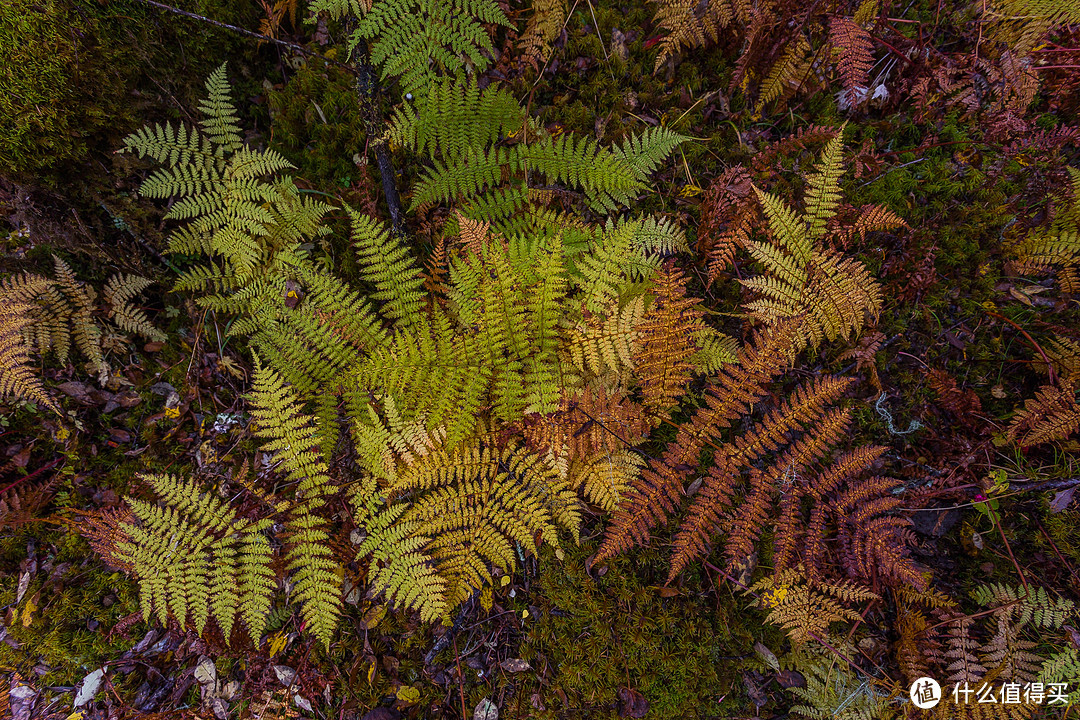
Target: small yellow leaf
28,612
77,715
371,673
373,616
408,694
486,600
504,581
277,642
524,614
171,413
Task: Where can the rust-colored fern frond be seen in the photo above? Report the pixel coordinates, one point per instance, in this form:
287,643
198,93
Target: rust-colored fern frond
104,530
706,511
1053,414
728,213
666,342
19,505
855,49
658,491
961,403
590,424
874,540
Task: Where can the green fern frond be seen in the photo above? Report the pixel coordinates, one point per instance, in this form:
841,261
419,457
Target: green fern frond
219,115
386,263
195,559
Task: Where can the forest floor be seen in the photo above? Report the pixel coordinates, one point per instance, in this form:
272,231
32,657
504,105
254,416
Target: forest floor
964,339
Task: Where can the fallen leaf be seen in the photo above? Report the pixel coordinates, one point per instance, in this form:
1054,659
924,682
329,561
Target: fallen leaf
302,702
1061,500
372,617
767,655
486,710
408,694
90,686
24,582
632,704
790,679
515,665
285,674
28,610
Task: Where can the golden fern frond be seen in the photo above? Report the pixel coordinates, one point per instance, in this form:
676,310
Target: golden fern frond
400,568
458,509
606,478
1053,414
602,345
807,612
823,189
118,291
666,342
83,328
17,379
293,436
543,27
1064,355
787,73
689,24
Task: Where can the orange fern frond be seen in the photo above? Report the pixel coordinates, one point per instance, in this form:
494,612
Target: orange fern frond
1053,414
666,343
659,489
806,404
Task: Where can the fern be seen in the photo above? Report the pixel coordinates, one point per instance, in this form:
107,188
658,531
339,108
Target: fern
807,612
420,41
830,294
196,559
292,436
17,379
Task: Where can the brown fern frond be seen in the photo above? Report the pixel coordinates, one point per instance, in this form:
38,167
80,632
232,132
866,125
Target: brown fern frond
590,424
666,342
19,505
801,140
104,530
728,212
118,291
85,331
869,218
865,356
1053,414
961,403
855,49
473,234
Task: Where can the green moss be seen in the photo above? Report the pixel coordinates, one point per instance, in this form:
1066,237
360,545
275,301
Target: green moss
64,634
61,86
595,635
